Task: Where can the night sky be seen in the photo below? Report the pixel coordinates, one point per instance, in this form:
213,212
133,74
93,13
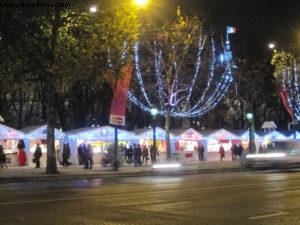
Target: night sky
257,21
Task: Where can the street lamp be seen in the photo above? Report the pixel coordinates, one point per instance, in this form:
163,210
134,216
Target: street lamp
141,2
154,112
93,9
251,132
271,45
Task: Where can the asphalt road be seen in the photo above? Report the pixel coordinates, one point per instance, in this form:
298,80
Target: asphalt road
257,197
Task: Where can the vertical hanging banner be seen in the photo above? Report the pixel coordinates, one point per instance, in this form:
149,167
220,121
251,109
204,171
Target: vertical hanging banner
284,98
119,101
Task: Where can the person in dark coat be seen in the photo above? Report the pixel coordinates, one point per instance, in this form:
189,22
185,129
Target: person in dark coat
145,154
130,154
37,155
153,154
2,158
80,154
137,155
240,150
88,156
201,152
66,155
233,150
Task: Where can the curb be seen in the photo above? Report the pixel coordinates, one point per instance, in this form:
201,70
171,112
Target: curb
112,174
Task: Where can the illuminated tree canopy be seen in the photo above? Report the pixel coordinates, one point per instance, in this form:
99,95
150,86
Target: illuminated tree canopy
177,71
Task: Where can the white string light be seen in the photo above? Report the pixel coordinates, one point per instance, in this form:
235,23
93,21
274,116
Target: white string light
204,104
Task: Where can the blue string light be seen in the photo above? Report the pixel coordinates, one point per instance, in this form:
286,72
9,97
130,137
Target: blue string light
205,102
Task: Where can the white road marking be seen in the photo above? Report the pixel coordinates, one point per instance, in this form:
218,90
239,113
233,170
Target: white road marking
170,204
267,215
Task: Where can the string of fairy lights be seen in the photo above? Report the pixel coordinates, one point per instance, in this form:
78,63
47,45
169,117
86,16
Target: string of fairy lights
179,99
291,84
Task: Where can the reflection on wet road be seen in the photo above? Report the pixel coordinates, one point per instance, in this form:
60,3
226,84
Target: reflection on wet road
257,197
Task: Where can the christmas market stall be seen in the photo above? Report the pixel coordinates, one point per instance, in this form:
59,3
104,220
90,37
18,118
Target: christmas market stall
216,139
9,139
100,139
145,137
188,143
38,135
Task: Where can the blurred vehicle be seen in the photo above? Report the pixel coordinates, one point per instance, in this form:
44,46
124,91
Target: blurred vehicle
275,154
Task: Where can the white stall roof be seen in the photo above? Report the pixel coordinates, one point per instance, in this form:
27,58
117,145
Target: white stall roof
222,134
147,134
269,125
105,133
8,133
245,136
274,135
40,132
187,134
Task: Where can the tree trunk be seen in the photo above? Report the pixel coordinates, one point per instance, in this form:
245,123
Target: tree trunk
168,144
51,166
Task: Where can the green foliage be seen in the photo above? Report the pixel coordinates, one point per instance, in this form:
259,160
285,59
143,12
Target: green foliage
85,40
282,62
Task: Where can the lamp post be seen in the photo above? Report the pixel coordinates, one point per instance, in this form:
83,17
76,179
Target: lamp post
251,132
154,112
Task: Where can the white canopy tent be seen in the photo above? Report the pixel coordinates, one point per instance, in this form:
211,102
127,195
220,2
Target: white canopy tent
9,138
8,133
99,137
38,134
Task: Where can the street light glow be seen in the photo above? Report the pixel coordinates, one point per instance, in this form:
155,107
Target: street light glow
271,45
141,2
93,9
154,111
249,116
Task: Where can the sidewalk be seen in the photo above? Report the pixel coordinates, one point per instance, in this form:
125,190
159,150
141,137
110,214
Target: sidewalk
30,174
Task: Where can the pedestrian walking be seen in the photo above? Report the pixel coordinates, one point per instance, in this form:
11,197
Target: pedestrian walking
153,153
233,150
137,155
66,155
201,152
240,150
126,155
21,153
2,158
222,152
58,155
37,155
130,154
261,149
145,154
80,154
88,157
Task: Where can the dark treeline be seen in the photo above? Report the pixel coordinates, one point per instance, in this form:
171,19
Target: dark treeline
78,64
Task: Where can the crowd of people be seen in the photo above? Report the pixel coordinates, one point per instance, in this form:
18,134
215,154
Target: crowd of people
85,155
138,155
236,151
